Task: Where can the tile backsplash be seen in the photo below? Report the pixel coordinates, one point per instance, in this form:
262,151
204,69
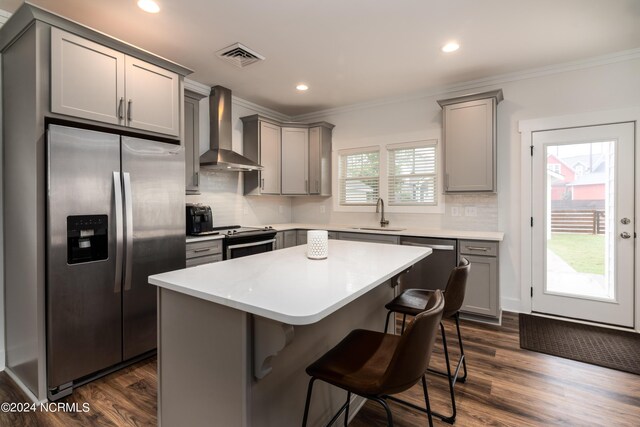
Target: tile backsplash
223,191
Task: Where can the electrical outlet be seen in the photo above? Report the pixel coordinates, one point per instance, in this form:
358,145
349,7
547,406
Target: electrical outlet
246,210
455,211
470,211
323,209
281,209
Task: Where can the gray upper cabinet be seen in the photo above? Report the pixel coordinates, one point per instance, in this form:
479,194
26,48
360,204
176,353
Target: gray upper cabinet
320,158
296,157
192,141
80,67
153,97
469,126
295,160
270,146
261,139
124,90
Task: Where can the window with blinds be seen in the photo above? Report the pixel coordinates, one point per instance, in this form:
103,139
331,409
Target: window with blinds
359,176
412,174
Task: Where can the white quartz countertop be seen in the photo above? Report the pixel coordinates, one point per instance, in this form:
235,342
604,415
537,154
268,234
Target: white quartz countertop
497,236
288,287
192,239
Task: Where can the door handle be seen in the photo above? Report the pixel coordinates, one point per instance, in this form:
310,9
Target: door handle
121,108
128,207
117,193
434,247
625,235
129,110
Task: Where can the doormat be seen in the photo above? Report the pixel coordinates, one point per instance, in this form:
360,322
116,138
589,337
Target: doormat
610,348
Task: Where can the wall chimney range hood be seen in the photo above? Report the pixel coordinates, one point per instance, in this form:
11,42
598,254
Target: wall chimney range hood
220,155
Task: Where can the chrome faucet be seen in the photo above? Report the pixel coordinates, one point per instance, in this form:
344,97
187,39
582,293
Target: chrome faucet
380,208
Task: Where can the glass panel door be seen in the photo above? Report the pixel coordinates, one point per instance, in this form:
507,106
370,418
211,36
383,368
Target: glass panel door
583,216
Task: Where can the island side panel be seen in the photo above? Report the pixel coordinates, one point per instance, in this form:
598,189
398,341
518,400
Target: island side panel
203,362
278,398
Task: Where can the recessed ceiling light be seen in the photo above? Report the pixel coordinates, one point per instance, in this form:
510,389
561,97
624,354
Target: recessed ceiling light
302,87
450,47
149,6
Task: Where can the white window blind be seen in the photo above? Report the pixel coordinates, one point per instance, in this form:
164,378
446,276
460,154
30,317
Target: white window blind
359,176
412,174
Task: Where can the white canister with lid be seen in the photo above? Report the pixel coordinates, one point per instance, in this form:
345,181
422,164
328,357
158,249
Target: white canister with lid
317,244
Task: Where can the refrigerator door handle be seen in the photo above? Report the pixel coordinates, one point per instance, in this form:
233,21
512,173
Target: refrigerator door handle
128,206
117,192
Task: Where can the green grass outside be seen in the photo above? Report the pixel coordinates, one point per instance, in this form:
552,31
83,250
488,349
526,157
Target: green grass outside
583,252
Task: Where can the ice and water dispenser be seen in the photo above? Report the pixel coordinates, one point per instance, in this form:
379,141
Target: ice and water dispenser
87,238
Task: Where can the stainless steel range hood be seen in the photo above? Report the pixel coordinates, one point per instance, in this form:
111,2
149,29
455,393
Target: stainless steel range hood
220,155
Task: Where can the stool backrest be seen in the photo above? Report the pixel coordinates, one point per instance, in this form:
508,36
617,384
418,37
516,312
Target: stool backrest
411,358
456,287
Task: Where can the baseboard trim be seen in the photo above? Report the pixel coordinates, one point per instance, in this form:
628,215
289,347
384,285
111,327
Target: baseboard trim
23,387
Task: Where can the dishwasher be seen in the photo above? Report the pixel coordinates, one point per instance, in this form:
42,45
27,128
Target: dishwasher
433,271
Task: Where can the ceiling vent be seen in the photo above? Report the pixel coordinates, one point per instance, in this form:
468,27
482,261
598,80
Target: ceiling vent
239,55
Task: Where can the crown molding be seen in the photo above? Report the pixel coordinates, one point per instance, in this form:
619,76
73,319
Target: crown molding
626,55
276,115
197,87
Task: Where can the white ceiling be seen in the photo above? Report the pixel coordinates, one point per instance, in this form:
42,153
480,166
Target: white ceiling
352,51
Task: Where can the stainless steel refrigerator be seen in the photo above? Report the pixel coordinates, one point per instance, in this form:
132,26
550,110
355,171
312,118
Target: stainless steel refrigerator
115,215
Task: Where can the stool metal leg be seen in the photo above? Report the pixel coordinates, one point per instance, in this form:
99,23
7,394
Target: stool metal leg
404,320
426,399
386,323
386,408
306,405
346,414
450,378
462,358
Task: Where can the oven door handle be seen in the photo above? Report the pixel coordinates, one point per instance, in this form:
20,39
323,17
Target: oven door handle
246,245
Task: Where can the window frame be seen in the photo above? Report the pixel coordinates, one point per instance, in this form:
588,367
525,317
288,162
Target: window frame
439,208
390,148
353,151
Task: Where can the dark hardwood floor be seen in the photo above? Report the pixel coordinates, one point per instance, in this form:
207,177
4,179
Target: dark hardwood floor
507,386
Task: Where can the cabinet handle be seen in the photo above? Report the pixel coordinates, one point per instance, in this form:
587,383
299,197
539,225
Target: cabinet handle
129,110
121,108
262,184
197,179
203,250
446,181
306,186
477,248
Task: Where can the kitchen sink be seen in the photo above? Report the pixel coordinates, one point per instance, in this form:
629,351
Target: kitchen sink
378,228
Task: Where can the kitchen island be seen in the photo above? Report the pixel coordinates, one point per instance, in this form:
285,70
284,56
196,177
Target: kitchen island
235,337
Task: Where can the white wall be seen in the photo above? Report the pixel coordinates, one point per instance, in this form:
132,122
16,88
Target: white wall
608,83
3,18
223,191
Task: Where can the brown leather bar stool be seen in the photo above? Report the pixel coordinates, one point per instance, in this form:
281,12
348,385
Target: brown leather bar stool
374,364
413,301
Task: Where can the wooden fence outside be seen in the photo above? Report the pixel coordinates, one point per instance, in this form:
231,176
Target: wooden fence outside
578,221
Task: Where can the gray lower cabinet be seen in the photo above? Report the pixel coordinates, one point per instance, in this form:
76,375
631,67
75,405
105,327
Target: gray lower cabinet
204,252
301,237
287,239
374,238
482,295
290,238
192,141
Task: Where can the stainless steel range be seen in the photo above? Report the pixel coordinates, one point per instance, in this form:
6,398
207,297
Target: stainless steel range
243,241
